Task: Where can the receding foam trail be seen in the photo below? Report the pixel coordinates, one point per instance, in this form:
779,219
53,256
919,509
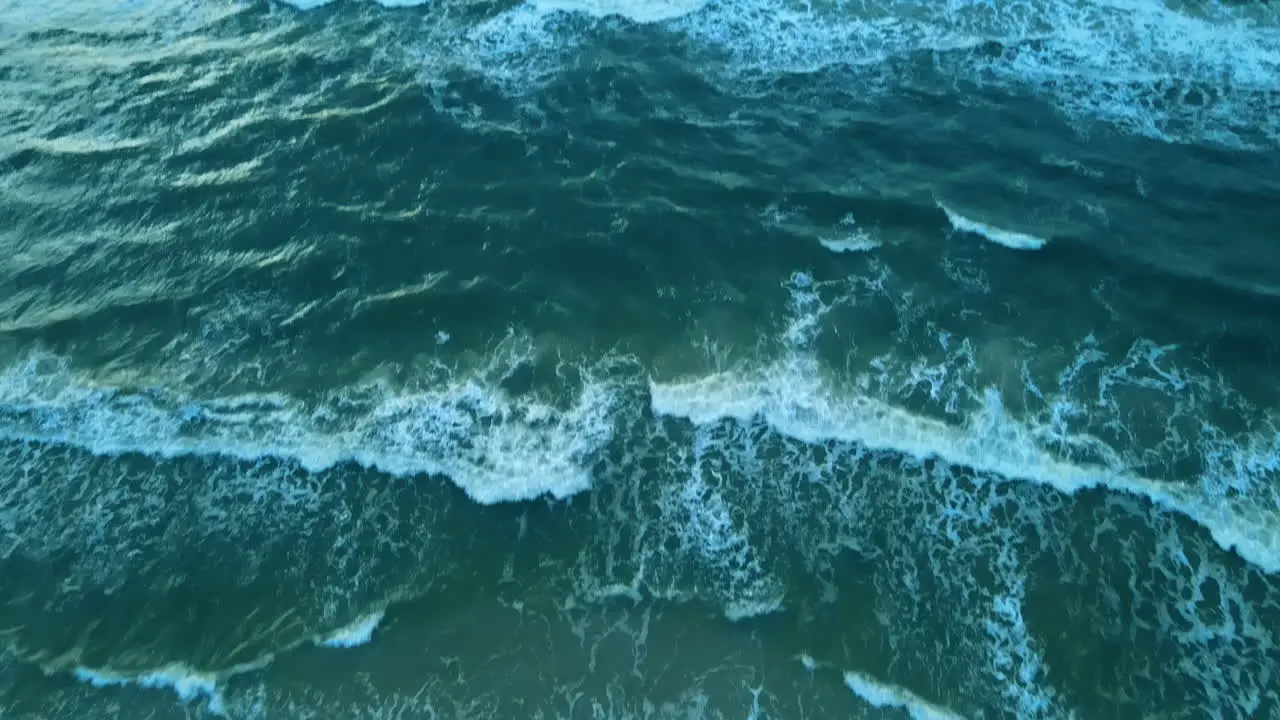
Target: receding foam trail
356,634
494,446
714,532
882,695
794,400
1015,661
1007,238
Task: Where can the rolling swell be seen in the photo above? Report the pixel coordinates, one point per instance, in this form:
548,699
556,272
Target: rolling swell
230,141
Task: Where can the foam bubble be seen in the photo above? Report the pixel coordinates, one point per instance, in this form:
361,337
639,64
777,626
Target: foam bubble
356,634
1007,238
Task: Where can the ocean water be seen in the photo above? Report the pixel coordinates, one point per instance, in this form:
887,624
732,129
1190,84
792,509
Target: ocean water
625,359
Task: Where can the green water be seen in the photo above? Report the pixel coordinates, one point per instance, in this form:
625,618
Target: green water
747,360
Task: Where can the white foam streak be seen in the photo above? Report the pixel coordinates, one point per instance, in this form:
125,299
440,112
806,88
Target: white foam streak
495,447
640,11
793,399
883,695
849,244
305,5
356,634
192,685
188,683
1007,238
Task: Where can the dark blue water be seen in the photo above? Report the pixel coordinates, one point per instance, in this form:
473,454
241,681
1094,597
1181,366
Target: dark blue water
743,359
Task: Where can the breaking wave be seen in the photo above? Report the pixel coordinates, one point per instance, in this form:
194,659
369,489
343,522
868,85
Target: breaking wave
1171,71
495,446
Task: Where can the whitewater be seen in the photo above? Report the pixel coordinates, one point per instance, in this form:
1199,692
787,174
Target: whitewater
620,359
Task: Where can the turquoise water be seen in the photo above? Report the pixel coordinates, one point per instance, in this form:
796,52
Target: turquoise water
742,359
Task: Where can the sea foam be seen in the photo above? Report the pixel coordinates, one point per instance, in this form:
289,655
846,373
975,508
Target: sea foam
794,401
314,4
1007,238
1097,60
190,684
1113,61
851,239
882,695
359,632
640,11
794,396
494,446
